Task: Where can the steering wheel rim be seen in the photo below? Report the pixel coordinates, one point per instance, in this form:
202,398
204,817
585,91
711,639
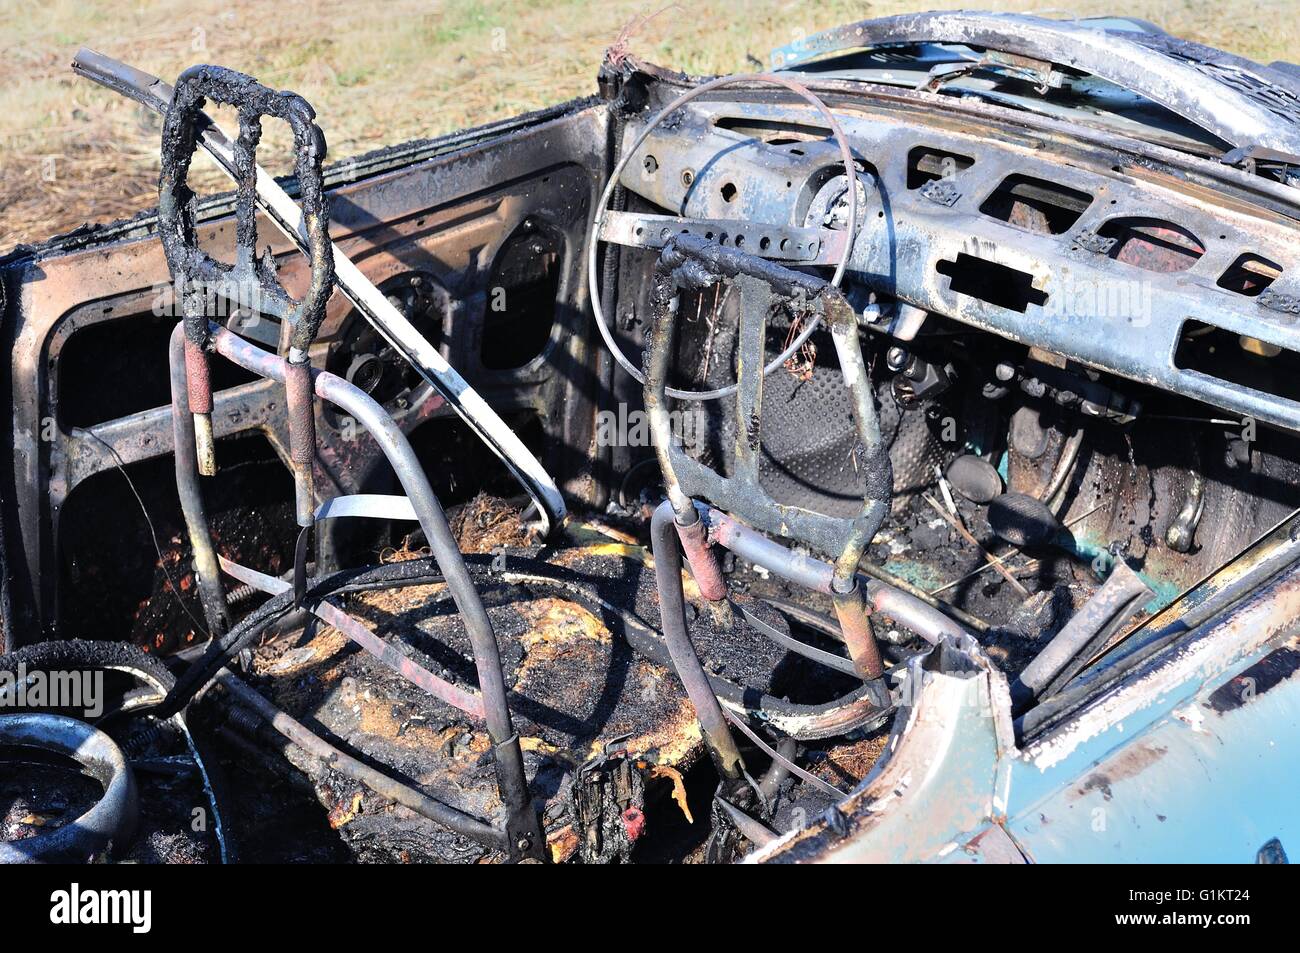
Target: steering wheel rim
602,207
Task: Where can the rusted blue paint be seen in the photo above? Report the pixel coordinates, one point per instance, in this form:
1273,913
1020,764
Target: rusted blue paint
1206,778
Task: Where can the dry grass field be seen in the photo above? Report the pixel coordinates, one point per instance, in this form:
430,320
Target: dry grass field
382,72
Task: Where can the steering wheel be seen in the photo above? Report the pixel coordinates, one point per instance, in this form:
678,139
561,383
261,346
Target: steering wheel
706,229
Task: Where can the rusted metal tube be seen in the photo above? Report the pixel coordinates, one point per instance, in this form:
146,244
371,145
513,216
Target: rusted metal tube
690,528
902,585
659,348
1117,599
302,433
812,573
778,772
754,547
198,386
855,625
758,833
876,468
704,565
522,821
911,613
672,611
206,569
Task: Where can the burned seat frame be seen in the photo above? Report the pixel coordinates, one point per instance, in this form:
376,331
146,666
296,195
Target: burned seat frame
254,184
195,273
690,262
250,280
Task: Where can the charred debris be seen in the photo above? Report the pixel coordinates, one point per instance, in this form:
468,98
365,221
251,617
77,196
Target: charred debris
640,479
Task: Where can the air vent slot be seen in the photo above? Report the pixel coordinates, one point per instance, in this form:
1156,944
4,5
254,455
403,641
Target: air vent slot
927,165
1240,360
1152,244
773,132
1036,205
1249,275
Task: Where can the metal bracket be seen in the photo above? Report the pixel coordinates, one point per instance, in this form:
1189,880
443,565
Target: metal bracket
377,506
941,192
806,246
1091,241
1279,301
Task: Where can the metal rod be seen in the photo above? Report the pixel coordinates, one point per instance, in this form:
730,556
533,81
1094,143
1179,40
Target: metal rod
672,610
876,467
704,565
301,413
754,830
1109,606
773,634
778,771
754,547
467,701
905,609
790,766
345,764
206,571
1064,466
854,615
929,598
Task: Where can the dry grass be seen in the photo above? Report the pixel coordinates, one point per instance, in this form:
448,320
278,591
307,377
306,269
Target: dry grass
379,73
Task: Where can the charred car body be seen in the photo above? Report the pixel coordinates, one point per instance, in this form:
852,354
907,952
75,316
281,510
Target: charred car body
889,457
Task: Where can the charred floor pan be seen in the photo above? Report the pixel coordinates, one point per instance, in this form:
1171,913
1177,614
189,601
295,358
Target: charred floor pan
584,700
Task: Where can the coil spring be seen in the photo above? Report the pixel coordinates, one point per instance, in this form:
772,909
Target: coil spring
135,745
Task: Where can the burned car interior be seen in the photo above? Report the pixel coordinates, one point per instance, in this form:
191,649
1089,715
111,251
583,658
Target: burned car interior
891,456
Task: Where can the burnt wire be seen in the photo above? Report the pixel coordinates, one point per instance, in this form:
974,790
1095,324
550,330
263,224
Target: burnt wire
789,765
120,464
